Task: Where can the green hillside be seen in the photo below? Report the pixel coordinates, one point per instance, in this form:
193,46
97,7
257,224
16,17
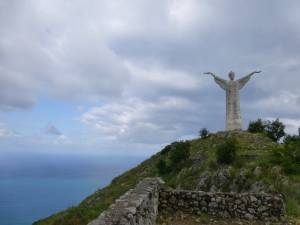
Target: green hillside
259,164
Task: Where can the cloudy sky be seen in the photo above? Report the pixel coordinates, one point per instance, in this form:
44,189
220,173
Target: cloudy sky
126,77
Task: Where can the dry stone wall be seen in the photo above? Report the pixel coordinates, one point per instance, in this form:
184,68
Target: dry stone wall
138,206
141,205
228,205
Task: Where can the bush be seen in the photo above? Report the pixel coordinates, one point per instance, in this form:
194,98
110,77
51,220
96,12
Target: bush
173,157
162,167
288,139
257,126
203,133
226,153
288,156
180,152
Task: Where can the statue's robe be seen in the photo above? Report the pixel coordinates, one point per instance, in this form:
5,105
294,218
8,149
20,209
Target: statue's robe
233,111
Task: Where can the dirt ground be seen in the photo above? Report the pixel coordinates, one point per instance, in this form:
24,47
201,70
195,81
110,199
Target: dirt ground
207,220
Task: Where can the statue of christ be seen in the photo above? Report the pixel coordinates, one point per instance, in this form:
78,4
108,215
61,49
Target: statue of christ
232,88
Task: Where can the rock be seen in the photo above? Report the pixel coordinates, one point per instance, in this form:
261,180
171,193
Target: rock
251,210
258,187
253,199
257,171
203,182
213,205
248,216
173,199
276,170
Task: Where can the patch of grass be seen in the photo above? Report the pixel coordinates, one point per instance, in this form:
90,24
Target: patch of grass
292,207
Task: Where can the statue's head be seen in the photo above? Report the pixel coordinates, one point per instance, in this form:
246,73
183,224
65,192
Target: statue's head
231,75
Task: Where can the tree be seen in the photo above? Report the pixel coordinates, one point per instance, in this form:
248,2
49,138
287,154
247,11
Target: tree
275,130
203,133
257,126
166,149
226,152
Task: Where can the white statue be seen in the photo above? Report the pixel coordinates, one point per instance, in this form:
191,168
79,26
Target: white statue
232,88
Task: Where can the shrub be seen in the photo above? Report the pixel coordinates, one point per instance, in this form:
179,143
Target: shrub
162,167
203,133
226,152
291,157
288,139
288,156
257,126
173,157
180,152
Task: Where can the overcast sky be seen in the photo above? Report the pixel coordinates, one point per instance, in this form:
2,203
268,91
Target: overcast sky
126,77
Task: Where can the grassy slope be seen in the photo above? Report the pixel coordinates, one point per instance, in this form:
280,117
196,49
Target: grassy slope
253,152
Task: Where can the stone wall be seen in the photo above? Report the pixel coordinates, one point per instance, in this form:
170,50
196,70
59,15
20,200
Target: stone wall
140,206
228,205
136,207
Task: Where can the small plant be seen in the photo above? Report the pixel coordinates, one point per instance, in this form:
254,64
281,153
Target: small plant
203,133
226,153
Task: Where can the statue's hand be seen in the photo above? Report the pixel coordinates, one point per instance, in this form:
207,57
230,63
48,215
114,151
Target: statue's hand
209,73
258,71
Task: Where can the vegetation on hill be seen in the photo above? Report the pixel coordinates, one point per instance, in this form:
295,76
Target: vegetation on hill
273,129
254,162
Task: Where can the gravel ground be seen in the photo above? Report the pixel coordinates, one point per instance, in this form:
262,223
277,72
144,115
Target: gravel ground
206,220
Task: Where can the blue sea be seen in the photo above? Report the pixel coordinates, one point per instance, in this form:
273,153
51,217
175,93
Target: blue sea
35,187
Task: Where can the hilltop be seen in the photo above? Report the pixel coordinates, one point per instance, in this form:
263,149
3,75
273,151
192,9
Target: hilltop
194,165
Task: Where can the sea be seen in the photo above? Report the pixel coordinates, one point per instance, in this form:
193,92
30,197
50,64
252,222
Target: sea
34,187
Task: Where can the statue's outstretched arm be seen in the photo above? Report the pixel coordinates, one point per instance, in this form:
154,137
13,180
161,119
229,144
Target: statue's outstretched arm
221,82
246,78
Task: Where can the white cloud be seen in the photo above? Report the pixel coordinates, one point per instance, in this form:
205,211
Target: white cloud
292,125
6,133
43,52
282,102
62,140
157,76
139,121
187,14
